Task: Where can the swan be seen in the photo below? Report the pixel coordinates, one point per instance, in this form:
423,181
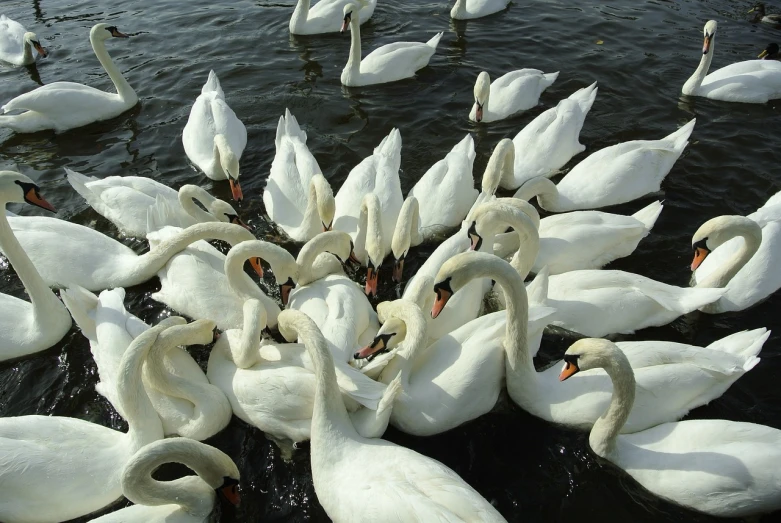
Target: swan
717,467
67,254
388,63
512,92
748,275
360,479
371,222
597,302
568,241
334,302
450,382
750,81
57,468
26,327
325,16
770,52
761,16
186,402
470,9
124,201
668,388
297,196
214,137
17,43
613,175
549,141
446,188
186,500
66,105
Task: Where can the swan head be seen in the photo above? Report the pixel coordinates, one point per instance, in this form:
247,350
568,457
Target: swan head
590,353
456,273
349,10
18,188
326,205
493,217
230,165
224,212
390,335
482,91
103,32
719,230
32,39
709,32
770,52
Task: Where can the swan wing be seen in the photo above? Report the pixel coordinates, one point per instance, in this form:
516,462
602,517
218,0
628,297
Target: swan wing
750,81
62,99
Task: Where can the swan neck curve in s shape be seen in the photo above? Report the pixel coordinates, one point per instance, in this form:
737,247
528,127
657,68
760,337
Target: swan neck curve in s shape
125,92
693,84
187,196
606,429
751,233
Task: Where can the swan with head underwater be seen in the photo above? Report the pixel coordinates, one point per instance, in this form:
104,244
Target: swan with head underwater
325,16
751,81
186,500
360,479
214,138
510,93
388,63
66,105
16,43
722,468
670,382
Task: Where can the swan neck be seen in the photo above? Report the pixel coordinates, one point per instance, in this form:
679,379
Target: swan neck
187,197
407,232
27,52
309,253
752,236
606,429
300,14
353,68
528,237
311,222
414,343
515,342
695,81
125,92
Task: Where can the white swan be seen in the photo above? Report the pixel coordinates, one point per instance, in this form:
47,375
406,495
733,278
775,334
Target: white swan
359,479
26,327
66,105
568,241
325,16
187,500
66,253
297,196
470,9
512,92
184,399
613,175
16,43
750,81
214,137
668,388
596,302
333,301
124,201
748,274
717,467
549,141
57,468
388,63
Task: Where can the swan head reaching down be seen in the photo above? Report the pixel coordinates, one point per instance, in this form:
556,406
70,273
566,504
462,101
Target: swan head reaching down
390,335
719,230
102,32
18,188
229,163
590,353
31,38
709,32
224,212
326,205
482,92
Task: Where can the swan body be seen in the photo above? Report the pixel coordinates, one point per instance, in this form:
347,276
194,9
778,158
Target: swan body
387,63
613,175
512,92
717,467
297,196
360,479
669,384
325,16
214,138
66,105
751,81
470,9
549,141
125,200
186,500
31,326
186,402
16,43
746,267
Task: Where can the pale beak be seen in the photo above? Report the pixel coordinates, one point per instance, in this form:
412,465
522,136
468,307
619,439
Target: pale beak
706,44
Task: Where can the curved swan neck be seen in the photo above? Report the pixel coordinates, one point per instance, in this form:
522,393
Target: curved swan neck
459,11
752,236
27,52
352,70
187,196
414,341
125,92
281,262
311,221
335,242
528,235
695,81
545,190
407,231
246,353
300,14
370,208
44,301
605,430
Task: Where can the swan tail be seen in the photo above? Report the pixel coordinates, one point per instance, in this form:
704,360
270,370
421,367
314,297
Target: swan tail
548,80
538,288
79,182
648,215
680,138
434,42
585,97
390,145
292,128
212,85
747,344
359,387
682,300
82,305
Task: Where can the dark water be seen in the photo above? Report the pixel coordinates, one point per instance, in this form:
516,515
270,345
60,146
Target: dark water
531,470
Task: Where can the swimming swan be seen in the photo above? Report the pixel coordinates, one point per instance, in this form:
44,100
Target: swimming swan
16,43
470,9
512,92
325,16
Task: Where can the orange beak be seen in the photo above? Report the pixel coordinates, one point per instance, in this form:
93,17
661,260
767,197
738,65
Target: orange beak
238,221
699,256
284,291
706,45
443,296
377,345
372,277
398,269
255,263
41,50
236,190
231,493
32,197
568,370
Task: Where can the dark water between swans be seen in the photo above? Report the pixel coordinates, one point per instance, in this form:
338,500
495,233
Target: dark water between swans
640,52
